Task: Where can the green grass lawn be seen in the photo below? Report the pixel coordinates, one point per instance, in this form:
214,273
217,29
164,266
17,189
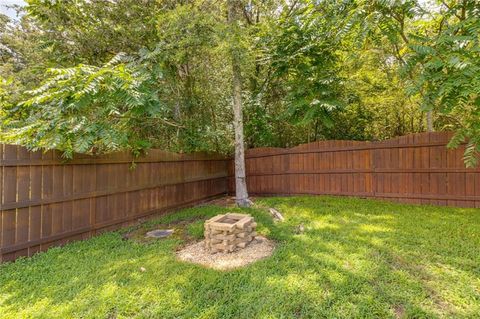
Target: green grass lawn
356,259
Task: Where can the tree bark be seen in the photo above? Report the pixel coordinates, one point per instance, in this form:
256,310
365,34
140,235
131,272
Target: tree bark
241,193
429,121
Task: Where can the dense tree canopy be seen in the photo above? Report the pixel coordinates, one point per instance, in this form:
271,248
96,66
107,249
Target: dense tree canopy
97,76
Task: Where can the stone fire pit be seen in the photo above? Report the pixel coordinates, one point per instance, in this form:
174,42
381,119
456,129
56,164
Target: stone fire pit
229,232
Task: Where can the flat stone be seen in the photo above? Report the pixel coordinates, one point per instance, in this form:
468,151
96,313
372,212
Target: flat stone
159,233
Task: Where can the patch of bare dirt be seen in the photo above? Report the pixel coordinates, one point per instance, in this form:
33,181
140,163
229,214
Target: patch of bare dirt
399,311
179,229
226,201
258,249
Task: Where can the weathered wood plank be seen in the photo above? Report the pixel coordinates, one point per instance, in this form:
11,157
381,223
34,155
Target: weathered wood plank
46,202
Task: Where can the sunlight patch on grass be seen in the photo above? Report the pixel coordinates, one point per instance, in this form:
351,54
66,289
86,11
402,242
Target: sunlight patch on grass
356,258
373,229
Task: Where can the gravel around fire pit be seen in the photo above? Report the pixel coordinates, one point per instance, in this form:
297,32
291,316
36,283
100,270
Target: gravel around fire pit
196,253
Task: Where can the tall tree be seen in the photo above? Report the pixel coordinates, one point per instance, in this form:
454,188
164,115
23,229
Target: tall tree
241,193
297,73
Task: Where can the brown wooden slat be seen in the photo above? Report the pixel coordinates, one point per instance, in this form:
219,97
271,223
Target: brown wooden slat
23,193
51,162
45,202
416,168
376,170
360,147
94,194
87,229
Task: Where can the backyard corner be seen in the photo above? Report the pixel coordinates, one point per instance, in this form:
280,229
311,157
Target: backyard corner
239,159
335,257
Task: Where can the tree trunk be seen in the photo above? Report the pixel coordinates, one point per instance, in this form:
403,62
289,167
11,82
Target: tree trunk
241,193
429,121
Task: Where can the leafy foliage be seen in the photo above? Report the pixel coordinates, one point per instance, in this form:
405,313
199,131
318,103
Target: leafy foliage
90,109
92,32
365,70
448,63
302,55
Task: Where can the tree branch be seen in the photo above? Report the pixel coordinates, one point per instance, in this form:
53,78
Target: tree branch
149,118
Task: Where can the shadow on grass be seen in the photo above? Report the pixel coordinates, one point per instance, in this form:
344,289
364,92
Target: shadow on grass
355,259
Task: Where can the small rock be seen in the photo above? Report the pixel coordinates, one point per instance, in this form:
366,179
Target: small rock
159,233
300,229
276,214
126,236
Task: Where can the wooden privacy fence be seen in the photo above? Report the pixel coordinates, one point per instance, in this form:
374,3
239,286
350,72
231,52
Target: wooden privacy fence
46,202
416,168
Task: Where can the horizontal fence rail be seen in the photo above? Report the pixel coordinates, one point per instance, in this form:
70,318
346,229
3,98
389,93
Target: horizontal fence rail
416,168
46,201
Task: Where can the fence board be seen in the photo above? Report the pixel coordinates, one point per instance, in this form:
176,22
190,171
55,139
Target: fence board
45,201
417,168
